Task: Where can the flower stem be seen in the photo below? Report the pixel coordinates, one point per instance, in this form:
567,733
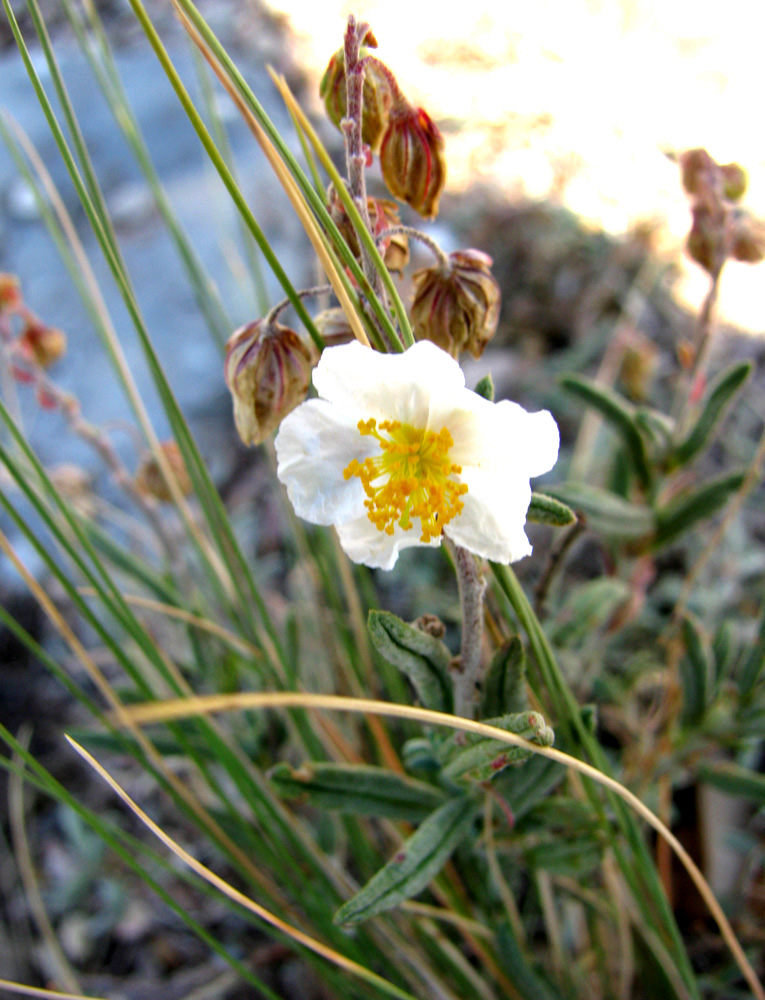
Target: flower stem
468,673
274,313
417,234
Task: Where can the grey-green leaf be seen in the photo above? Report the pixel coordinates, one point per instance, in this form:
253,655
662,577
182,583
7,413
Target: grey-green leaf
732,779
421,657
696,672
415,865
606,512
718,398
357,788
504,689
619,412
677,516
477,759
545,509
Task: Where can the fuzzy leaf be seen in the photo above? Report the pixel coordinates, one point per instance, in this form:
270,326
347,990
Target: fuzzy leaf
718,398
422,658
415,865
676,517
504,689
619,412
357,788
588,609
695,671
606,512
474,758
545,509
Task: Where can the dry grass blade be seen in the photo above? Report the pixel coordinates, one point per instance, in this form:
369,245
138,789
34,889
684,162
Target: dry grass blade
34,991
142,714
300,937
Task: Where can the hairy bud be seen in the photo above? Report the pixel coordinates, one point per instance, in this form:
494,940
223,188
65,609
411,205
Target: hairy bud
150,480
376,96
748,240
412,159
268,371
457,305
706,242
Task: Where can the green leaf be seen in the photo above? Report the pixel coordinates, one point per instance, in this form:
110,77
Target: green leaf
545,509
424,659
504,688
485,387
605,512
724,650
732,779
753,665
680,514
717,399
415,865
619,413
357,788
695,671
474,758
589,608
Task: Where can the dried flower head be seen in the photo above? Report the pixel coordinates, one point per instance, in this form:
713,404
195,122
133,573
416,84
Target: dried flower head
377,96
456,303
268,371
42,345
412,158
151,481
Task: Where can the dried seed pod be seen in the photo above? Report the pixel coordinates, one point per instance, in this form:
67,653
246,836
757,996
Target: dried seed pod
706,240
748,240
334,327
268,371
412,159
456,304
43,345
150,480
10,292
377,96
699,171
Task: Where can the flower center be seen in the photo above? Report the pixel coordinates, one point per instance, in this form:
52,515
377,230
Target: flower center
411,478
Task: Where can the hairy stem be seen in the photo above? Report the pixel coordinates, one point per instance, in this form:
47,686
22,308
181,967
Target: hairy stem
467,673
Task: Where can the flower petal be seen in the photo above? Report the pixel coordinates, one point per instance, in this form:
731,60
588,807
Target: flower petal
387,386
364,543
492,521
315,443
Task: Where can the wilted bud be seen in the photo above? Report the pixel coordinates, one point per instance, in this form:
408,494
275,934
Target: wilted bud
706,240
268,371
150,480
734,181
383,215
376,97
10,292
412,159
334,327
457,305
748,240
41,344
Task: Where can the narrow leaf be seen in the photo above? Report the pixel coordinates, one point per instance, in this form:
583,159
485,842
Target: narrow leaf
414,866
588,609
606,512
424,659
718,398
618,412
504,689
357,788
680,514
695,671
545,509
473,758
732,779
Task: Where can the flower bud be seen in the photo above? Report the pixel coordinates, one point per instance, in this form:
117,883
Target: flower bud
706,242
457,305
383,214
268,371
41,344
412,159
734,181
150,480
10,292
376,97
698,171
748,240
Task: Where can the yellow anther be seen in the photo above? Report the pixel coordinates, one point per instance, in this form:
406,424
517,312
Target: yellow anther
411,478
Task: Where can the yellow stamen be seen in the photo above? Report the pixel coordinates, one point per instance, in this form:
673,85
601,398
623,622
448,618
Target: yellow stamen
411,478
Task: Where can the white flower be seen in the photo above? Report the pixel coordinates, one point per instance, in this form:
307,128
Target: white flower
396,451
